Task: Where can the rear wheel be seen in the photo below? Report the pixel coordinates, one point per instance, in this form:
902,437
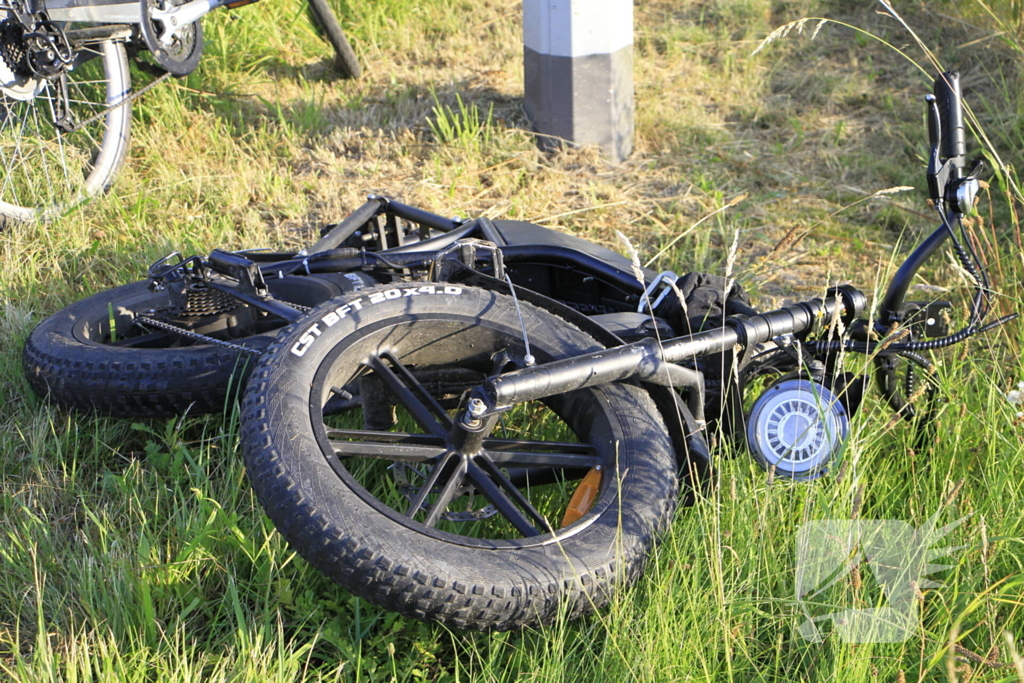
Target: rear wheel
349,443
97,355
117,351
51,155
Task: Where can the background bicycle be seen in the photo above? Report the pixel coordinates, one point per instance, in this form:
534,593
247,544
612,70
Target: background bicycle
66,89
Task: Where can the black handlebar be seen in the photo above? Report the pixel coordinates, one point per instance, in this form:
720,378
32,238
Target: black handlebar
952,144
646,358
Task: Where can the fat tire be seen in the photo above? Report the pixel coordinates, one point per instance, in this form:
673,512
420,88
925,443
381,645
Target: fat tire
75,372
346,63
401,564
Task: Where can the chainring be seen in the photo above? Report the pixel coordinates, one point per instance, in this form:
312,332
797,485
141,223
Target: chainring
181,55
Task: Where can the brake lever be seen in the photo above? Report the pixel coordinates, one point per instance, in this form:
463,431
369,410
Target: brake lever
937,172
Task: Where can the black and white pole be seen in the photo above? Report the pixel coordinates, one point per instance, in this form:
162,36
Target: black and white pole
578,62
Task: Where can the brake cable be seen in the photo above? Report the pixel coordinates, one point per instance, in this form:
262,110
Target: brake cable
528,359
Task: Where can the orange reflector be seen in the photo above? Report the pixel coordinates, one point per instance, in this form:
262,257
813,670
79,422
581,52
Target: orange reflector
583,498
240,3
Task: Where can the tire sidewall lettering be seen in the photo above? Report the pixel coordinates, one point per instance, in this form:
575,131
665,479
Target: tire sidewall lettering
339,313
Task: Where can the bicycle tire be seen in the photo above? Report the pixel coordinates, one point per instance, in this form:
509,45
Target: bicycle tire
346,63
46,170
434,561
69,360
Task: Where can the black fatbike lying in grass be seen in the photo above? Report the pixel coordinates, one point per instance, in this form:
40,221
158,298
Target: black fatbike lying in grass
484,422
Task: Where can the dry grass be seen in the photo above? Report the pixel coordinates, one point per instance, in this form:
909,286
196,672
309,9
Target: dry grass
243,153
804,128
260,147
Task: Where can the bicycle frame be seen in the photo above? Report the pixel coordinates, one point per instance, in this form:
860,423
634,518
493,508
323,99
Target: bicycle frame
476,251
127,13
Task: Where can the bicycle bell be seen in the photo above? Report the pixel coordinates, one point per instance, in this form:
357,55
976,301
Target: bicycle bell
796,428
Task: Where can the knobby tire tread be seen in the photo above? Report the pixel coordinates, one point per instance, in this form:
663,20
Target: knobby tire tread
130,382
372,562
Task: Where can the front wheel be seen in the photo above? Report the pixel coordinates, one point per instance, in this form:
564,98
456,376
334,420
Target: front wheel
52,154
349,444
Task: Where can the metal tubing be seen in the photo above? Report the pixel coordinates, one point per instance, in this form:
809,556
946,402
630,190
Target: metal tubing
646,357
489,232
891,308
421,217
271,306
343,230
623,362
388,259
438,242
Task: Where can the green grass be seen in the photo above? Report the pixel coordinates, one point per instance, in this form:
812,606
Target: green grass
137,551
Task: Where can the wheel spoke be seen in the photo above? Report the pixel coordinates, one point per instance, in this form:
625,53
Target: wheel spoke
44,168
417,387
548,460
513,453
148,340
431,482
386,451
406,395
444,497
385,437
528,445
503,495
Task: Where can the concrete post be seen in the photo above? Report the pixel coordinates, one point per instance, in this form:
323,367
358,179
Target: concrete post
578,62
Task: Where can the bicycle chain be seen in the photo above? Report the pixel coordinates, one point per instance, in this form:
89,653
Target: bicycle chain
195,336
131,98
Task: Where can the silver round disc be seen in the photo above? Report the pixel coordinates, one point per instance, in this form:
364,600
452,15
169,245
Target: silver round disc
796,428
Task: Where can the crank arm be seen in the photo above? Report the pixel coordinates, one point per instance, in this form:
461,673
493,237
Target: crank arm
177,17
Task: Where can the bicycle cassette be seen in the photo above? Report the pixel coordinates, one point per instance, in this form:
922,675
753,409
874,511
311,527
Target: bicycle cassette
797,428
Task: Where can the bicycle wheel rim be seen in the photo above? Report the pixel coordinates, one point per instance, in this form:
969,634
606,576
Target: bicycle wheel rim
47,170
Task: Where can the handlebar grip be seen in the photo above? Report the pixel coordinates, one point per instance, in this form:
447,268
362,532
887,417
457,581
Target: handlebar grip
947,94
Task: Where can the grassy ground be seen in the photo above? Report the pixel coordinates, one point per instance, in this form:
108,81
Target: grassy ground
136,551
